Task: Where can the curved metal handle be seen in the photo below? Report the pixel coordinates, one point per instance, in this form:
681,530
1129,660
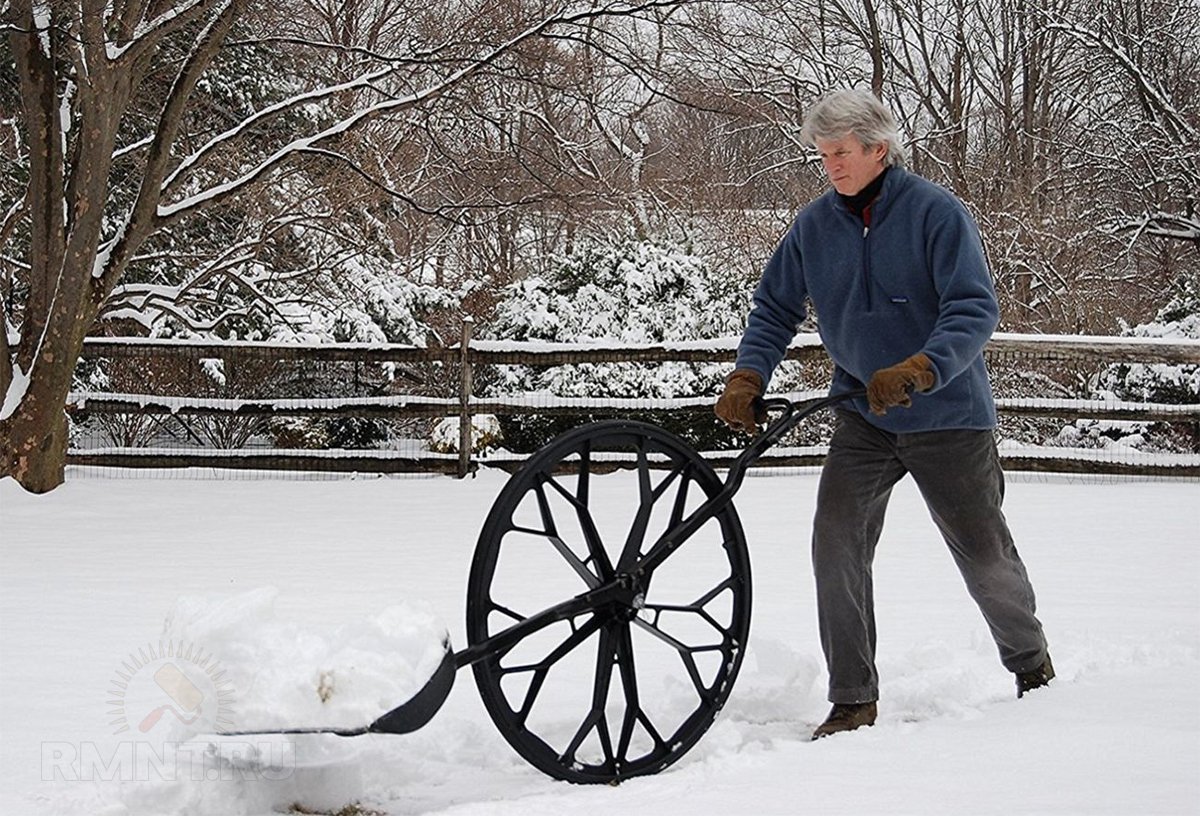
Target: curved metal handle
792,413
763,405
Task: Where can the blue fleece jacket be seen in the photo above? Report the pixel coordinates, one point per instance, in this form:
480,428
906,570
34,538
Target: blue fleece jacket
915,280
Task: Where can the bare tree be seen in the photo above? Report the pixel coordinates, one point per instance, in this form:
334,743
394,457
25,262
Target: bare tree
1151,64
84,67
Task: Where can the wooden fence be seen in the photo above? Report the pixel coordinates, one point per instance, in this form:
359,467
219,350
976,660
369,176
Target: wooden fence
460,363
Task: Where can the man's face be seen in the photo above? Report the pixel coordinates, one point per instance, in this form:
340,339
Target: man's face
849,165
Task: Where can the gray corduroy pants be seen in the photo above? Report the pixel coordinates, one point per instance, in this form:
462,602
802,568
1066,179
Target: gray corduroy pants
959,476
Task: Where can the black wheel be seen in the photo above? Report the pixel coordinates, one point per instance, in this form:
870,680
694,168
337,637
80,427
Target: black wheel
598,655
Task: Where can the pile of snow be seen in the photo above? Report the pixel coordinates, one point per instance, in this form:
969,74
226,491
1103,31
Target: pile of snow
257,671
285,675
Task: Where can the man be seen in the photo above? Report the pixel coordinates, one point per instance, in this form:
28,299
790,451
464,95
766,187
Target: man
894,267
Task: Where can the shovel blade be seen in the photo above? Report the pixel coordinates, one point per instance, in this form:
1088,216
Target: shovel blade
420,708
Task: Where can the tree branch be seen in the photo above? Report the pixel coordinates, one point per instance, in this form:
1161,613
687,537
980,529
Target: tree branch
143,218
168,213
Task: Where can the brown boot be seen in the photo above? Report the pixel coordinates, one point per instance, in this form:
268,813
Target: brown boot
846,718
1030,680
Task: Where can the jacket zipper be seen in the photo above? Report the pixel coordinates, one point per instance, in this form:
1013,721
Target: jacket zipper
866,258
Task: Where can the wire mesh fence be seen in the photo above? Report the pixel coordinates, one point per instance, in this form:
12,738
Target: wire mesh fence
250,410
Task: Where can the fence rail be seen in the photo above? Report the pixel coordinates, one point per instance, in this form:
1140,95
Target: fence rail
458,365
1079,348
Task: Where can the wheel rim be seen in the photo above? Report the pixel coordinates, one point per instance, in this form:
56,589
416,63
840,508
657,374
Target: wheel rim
627,687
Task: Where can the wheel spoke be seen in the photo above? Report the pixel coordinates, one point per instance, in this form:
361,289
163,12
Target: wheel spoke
629,685
674,537
551,529
686,655
595,720
697,607
583,480
681,497
587,525
647,498
550,532
487,644
590,579
578,635
637,531
542,668
606,658
504,610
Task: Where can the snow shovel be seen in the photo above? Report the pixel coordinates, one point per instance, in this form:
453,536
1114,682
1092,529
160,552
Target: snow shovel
405,718
636,617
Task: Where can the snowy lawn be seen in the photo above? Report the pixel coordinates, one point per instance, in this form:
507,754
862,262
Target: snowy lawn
365,572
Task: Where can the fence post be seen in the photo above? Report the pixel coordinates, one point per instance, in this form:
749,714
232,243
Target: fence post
465,386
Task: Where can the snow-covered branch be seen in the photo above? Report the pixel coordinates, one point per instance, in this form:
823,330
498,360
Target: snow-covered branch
190,203
149,304
1159,224
1158,97
141,221
146,35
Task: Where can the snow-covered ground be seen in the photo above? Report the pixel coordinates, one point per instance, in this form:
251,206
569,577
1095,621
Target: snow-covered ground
288,601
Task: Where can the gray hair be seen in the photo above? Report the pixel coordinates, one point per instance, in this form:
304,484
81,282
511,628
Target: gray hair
854,112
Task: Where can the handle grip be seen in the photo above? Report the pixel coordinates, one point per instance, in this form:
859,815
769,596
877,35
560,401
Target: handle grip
791,414
762,406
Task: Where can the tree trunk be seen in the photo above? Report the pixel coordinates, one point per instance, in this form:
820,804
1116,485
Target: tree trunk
33,434
33,441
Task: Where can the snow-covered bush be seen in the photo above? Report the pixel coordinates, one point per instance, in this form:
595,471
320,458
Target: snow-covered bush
621,290
308,433
299,432
373,301
625,290
485,434
1157,382
1103,434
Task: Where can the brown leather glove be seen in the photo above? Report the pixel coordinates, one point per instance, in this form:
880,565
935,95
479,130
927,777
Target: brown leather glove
735,406
889,386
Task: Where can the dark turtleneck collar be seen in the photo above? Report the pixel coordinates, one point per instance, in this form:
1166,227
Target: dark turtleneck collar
859,202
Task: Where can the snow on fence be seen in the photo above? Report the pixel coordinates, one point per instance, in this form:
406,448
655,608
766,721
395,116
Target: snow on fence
167,404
